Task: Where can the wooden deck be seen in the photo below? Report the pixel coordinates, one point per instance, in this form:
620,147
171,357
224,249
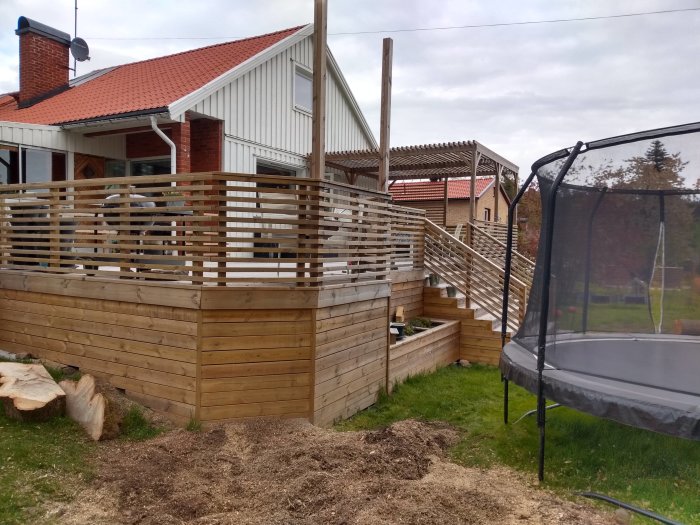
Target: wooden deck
247,296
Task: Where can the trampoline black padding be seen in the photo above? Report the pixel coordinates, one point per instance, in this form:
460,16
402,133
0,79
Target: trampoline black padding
647,381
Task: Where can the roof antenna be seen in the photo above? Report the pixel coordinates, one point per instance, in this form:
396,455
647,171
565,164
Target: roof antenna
78,47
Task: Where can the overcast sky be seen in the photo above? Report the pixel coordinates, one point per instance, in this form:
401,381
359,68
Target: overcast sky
523,91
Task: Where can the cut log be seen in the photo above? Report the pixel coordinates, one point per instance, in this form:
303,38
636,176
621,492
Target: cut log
29,393
85,406
400,317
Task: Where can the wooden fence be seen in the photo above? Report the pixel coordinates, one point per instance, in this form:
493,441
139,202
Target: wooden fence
208,229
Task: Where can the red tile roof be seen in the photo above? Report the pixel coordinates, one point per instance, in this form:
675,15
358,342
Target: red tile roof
139,86
434,191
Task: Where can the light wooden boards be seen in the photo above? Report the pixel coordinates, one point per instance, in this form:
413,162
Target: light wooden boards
139,347
350,358
424,352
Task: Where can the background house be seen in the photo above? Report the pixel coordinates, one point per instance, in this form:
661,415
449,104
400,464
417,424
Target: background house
430,196
242,106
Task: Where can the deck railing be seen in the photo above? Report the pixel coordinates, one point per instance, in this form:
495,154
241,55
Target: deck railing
208,229
478,278
494,248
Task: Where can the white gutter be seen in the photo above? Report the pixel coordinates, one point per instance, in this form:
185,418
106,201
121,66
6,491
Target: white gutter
173,149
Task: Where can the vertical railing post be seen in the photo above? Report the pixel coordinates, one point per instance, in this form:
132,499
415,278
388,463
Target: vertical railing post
314,238
124,229
197,249
220,231
5,218
302,220
55,228
358,237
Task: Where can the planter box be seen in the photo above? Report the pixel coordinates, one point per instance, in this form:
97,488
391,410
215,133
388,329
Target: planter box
424,352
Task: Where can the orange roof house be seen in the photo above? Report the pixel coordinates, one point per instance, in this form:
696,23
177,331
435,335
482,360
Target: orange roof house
242,106
430,196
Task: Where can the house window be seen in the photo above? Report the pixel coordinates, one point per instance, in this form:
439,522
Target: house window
115,168
487,214
150,167
9,164
303,89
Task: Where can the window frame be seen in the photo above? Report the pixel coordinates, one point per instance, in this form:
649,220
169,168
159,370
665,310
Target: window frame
303,71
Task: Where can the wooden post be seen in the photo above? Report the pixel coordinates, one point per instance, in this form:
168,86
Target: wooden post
385,121
54,244
124,229
517,184
444,203
497,192
476,157
318,122
221,234
198,245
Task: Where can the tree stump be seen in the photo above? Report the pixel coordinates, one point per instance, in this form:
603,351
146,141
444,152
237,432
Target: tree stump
29,393
90,409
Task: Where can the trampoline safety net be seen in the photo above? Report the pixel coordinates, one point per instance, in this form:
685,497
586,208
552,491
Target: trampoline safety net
625,255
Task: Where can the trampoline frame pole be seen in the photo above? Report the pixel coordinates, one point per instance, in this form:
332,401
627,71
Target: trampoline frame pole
548,230
506,280
587,278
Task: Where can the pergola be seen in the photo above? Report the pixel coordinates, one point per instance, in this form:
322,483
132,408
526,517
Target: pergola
446,161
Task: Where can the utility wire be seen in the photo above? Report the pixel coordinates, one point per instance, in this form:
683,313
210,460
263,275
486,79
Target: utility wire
423,29
524,23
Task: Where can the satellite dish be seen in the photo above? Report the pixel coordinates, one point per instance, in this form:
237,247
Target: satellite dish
79,49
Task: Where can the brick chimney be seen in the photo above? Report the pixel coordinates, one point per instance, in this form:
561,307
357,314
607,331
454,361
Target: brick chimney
43,61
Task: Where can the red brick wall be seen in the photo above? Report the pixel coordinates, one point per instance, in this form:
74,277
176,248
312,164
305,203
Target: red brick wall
181,138
43,66
207,139
147,144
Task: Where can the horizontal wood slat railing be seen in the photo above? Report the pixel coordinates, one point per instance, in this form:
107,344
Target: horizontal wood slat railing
496,229
208,229
478,278
494,249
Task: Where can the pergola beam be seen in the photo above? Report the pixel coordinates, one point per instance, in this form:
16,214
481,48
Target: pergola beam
497,192
496,158
436,161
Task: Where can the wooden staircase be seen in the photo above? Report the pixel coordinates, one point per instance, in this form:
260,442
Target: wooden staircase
477,277
479,342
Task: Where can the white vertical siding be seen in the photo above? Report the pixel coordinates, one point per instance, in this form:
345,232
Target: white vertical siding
53,137
258,108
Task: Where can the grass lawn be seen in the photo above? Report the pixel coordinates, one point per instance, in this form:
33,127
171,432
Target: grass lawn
39,462
656,472
619,317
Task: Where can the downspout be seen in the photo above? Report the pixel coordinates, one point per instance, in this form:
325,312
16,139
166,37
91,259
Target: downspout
173,148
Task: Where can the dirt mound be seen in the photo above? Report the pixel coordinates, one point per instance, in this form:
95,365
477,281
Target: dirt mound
288,471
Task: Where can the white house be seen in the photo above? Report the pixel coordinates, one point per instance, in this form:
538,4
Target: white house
242,106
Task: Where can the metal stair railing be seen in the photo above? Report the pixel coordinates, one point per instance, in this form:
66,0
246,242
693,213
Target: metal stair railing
478,278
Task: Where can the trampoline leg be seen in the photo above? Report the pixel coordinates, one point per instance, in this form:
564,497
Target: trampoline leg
505,400
541,402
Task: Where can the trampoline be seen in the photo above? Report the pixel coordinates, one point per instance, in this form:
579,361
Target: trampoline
616,284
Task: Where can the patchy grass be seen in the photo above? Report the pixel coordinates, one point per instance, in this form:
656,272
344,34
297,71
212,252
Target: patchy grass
193,426
584,453
40,462
137,427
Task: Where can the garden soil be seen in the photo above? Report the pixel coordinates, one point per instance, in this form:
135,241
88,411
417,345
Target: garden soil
289,471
